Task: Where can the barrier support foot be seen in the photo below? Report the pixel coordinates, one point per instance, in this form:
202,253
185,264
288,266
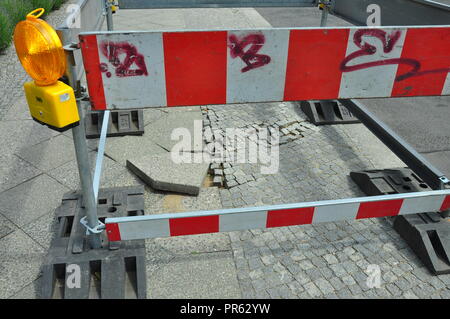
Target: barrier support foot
72,270
428,233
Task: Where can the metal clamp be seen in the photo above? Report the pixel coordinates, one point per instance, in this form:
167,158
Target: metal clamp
96,230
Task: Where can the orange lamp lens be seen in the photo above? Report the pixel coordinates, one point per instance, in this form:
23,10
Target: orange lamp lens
39,49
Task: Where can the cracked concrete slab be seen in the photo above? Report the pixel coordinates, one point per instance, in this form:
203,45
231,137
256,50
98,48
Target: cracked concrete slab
113,174
184,125
160,172
121,148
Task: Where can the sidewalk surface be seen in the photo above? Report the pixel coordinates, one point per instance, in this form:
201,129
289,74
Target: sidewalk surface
321,261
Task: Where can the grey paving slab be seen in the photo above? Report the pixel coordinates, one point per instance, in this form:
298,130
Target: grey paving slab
30,291
191,245
372,148
199,276
20,261
157,19
298,17
420,120
19,110
113,173
162,173
6,226
32,199
14,170
441,160
18,135
170,19
217,18
49,154
122,148
152,115
42,229
166,130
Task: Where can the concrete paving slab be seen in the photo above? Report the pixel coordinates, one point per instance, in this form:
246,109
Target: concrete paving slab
32,199
42,229
190,245
49,154
113,174
18,111
152,115
30,291
254,18
160,172
421,121
143,20
122,148
200,276
298,17
182,19
17,135
218,18
440,160
20,262
14,170
6,226
190,121
369,145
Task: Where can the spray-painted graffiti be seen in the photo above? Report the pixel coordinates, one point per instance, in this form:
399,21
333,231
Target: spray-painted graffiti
388,41
250,56
124,57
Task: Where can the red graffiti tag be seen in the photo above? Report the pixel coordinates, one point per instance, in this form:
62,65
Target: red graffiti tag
388,41
250,57
123,56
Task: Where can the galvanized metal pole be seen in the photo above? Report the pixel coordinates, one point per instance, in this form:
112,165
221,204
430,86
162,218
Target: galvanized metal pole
81,151
84,170
323,21
109,19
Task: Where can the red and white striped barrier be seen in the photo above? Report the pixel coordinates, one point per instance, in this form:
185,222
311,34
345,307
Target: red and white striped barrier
154,69
178,224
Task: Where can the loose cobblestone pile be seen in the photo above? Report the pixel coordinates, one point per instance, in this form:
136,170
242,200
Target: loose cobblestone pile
307,161
247,132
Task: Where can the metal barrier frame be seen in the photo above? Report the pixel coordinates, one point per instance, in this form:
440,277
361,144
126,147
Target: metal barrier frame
413,159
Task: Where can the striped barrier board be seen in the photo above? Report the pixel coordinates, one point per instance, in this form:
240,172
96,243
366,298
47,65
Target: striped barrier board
158,69
192,223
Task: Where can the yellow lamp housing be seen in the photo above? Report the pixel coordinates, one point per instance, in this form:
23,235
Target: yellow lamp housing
52,105
40,51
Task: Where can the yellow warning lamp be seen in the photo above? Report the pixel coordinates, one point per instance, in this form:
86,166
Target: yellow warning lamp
40,51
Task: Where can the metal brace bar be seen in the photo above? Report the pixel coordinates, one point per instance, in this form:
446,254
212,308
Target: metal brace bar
430,174
100,153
